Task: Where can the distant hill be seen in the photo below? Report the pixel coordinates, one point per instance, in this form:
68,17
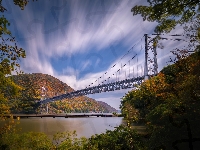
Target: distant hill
107,107
33,90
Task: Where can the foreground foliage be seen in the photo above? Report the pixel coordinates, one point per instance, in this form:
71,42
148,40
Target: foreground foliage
169,103
121,138
10,54
168,13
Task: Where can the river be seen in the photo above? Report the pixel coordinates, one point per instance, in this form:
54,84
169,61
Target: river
86,127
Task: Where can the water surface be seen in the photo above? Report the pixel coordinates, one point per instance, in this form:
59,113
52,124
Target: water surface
87,126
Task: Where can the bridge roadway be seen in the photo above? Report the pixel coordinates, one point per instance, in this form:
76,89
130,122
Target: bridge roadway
124,84
74,115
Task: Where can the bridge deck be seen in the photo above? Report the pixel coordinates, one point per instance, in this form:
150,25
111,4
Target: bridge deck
58,115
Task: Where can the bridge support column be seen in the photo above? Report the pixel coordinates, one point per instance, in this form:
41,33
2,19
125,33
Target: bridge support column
47,109
146,76
155,58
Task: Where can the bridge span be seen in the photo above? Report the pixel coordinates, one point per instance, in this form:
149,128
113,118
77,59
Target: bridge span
124,84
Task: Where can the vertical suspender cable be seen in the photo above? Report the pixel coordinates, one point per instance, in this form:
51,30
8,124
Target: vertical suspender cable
121,71
141,71
119,75
129,68
137,66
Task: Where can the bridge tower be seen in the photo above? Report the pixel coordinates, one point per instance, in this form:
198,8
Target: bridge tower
155,64
155,58
146,76
43,97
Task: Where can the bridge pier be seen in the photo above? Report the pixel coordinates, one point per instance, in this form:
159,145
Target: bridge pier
47,109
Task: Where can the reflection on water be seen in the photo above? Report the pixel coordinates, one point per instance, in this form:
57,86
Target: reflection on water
83,126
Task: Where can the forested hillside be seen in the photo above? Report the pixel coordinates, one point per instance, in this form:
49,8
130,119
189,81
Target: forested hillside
169,105
107,107
32,91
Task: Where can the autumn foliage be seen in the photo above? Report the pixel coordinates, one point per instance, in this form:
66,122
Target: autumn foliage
169,104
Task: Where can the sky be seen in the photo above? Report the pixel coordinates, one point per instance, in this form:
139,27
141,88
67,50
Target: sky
79,41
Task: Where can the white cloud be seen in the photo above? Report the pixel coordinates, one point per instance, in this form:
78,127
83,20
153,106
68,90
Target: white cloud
70,71
70,80
85,65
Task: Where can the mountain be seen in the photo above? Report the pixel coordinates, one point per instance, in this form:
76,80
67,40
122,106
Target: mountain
107,107
37,86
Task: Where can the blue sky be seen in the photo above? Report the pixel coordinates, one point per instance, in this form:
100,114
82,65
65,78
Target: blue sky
77,41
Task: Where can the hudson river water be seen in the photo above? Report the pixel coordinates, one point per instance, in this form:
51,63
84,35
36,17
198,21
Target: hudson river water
84,126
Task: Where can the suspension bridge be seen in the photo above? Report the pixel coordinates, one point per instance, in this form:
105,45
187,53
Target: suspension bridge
131,80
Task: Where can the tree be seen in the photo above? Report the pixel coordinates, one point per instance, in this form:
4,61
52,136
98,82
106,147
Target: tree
121,138
128,109
168,13
10,53
30,140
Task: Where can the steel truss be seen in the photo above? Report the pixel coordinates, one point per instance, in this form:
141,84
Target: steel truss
118,85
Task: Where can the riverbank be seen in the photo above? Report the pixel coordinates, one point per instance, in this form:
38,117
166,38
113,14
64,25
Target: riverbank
71,115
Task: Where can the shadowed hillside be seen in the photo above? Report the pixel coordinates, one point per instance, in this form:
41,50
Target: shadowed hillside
107,107
32,91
